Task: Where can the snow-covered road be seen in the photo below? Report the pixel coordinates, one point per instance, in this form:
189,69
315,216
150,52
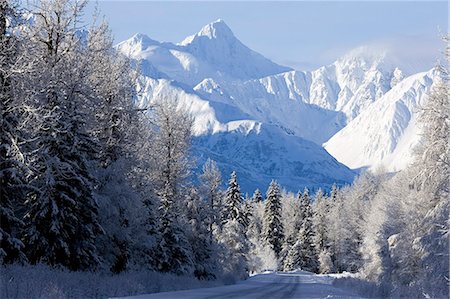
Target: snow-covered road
297,284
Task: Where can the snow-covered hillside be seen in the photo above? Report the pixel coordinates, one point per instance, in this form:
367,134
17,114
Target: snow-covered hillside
262,152
386,133
244,105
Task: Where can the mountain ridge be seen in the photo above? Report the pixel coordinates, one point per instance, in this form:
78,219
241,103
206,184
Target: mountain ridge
229,99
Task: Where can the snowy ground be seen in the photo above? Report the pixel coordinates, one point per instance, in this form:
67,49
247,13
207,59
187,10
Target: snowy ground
299,284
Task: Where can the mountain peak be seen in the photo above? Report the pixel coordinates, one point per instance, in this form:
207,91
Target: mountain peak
136,44
143,39
215,30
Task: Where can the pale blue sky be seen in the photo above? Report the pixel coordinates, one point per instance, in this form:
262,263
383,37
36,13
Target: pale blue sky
300,34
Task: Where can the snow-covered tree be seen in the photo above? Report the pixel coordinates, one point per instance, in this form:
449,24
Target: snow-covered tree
234,256
261,256
232,234
320,209
336,233
291,224
210,181
303,253
405,237
357,200
119,131
170,156
62,217
233,202
247,211
170,146
273,232
205,255
306,235
257,196
13,167
433,181
172,253
325,262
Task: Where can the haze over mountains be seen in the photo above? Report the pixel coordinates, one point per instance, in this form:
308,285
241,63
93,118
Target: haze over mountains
269,121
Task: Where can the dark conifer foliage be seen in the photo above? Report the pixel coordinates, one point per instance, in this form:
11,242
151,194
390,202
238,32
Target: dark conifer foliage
273,227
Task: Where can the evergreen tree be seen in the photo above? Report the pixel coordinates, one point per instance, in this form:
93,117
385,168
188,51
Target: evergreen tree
62,215
306,236
233,202
292,228
233,234
172,252
320,209
257,196
13,168
117,122
273,232
302,254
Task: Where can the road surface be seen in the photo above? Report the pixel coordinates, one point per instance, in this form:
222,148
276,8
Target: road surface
297,284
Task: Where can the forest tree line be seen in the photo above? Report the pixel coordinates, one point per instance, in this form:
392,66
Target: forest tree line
90,181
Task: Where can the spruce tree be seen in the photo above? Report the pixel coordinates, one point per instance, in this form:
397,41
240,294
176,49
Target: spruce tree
291,235
233,202
62,216
233,234
273,232
303,254
306,236
320,227
13,168
257,196
172,253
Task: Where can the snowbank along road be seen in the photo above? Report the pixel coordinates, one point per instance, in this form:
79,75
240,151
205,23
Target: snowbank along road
279,285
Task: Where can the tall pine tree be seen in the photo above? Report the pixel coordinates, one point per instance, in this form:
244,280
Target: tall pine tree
233,234
273,232
233,202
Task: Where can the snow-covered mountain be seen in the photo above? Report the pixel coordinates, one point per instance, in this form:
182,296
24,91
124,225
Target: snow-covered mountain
214,52
269,121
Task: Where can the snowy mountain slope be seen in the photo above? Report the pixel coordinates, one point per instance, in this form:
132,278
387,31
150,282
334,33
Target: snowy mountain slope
386,133
263,152
354,81
154,90
259,152
278,100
